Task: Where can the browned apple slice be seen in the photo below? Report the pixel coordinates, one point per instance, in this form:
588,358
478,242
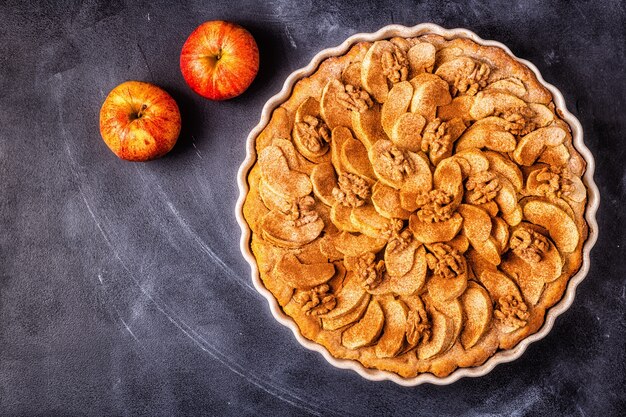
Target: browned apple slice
390,343
505,167
490,207
352,75
281,231
406,284
491,102
386,201
340,216
521,272
460,243
354,159
471,161
421,179
500,233
511,85
271,199
367,127
442,335
459,108
555,156
506,197
421,58
309,107
442,289
437,231
349,299
373,77
384,155
302,276
333,112
429,91
397,104
476,223
485,137
399,261
498,284
488,249
478,309
454,310
334,323
513,218
279,177
366,331
558,223
408,200
543,115
449,178
324,180
355,245
533,144
367,220
407,131
339,135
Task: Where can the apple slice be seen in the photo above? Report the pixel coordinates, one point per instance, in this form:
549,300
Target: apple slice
281,231
429,92
558,223
338,136
386,201
513,218
397,104
420,178
399,262
506,197
279,177
505,167
354,315
407,131
352,75
498,284
476,223
367,330
449,178
340,216
367,126
390,343
500,233
460,243
543,115
454,310
442,335
355,245
271,199
373,77
437,231
355,160
459,107
555,156
486,137
521,272
367,220
302,276
333,112
406,284
489,102
511,85
421,58
324,180
488,249
349,299
471,161
533,144
478,309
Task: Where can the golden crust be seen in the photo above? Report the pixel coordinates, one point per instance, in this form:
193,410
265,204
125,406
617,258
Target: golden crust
509,132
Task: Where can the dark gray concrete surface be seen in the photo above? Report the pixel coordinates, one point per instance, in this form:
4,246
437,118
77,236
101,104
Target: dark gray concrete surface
122,289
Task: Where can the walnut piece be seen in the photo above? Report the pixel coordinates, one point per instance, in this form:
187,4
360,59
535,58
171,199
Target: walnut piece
528,244
471,78
353,190
314,133
354,98
434,206
391,229
519,120
436,139
369,271
511,311
395,65
395,164
399,241
555,182
445,261
302,211
316,301
418,327
482,187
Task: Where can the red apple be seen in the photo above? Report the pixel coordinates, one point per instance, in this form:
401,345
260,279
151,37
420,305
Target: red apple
139,121
219,60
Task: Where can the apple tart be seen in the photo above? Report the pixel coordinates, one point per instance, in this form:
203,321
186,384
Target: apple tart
416,204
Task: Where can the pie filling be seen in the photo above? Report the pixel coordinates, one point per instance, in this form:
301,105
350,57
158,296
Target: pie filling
416,204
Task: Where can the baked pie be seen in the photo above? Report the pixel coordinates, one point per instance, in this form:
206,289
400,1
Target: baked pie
416,204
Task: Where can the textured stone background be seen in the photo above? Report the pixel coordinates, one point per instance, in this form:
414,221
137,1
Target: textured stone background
122,289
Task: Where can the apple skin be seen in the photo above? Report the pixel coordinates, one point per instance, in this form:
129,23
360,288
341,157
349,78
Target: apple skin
139,121
219,60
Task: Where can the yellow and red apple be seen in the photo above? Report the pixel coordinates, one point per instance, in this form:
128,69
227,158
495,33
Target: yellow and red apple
139,121
219,60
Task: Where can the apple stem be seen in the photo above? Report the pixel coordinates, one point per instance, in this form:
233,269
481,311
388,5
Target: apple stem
143,108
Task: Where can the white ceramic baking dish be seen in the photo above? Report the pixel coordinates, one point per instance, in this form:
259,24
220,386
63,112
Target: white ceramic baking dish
499,357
